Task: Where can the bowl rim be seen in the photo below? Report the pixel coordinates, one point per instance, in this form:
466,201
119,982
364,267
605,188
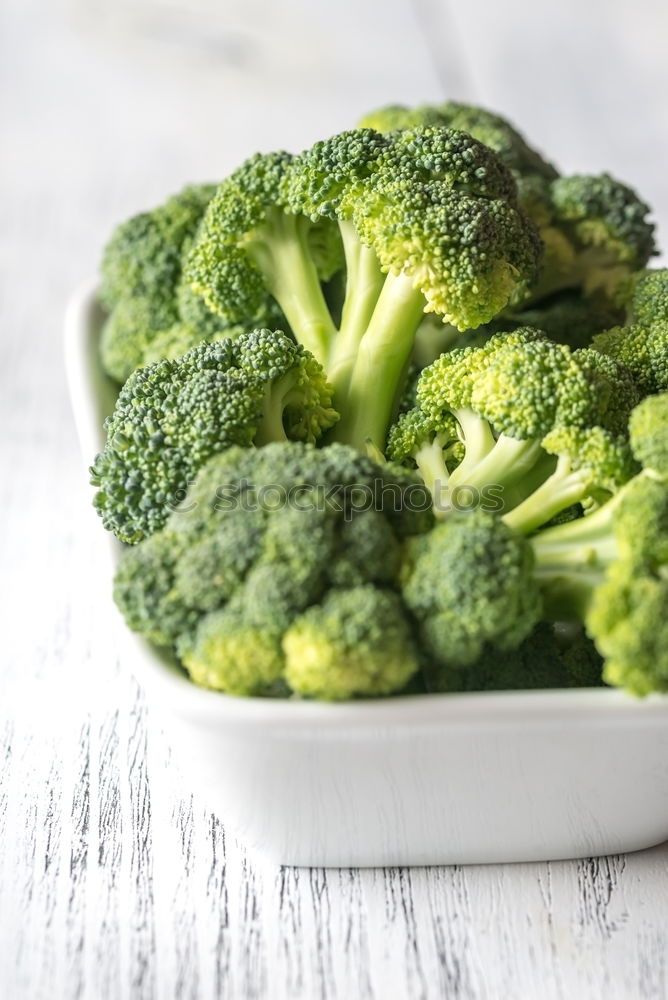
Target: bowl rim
516,707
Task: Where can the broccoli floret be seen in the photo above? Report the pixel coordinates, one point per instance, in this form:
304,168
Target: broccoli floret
356,642
469,582
269,542
424,220
608,569
645,297
143,289
521,421
485,126
251,244
628,620
540,661
596,233
643,350
143,255
594,228
144,589
230,654
172,416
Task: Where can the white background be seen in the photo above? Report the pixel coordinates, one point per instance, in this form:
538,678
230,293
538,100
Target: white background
113,881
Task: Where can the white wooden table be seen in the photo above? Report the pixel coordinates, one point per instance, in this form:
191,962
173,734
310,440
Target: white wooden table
114,881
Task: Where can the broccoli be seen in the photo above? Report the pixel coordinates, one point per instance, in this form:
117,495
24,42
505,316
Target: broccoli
393,418
595,231
542,660
282,565
468,583
608,569
645,297
144,292
522,422
643,350
485,126
173,415
357,641
423,220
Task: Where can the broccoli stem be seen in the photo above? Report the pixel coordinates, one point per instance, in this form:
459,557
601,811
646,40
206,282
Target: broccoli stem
504,465
430,461
563,488
478,441
276,398
280,249
571,560
364,283
382,358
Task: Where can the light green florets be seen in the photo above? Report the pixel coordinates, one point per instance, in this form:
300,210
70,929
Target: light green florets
357,642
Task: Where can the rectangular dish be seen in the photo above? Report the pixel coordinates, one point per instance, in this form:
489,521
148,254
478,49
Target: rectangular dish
420,780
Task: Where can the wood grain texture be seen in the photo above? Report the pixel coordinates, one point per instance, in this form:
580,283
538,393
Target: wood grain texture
114,881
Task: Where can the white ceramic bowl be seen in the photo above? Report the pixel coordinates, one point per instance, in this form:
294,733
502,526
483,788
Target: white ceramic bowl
421,780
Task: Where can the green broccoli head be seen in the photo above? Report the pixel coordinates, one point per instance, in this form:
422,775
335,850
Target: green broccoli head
442,210
628,621
648,429
420,220
251,244
605,215
645,297
265,537
596,233
643,350
488,128
227,653
467,583
143,256
143,289
356,642
542,426
172,416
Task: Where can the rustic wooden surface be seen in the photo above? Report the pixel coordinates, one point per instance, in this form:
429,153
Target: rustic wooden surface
114,882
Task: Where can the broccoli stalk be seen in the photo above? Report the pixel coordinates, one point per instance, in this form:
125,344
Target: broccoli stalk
280,249
368,395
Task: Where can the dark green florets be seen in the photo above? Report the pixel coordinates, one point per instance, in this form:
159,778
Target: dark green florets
152,311
606,215
172,416
596,233
485,126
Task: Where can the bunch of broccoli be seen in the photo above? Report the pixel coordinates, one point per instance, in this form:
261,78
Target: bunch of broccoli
393,417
